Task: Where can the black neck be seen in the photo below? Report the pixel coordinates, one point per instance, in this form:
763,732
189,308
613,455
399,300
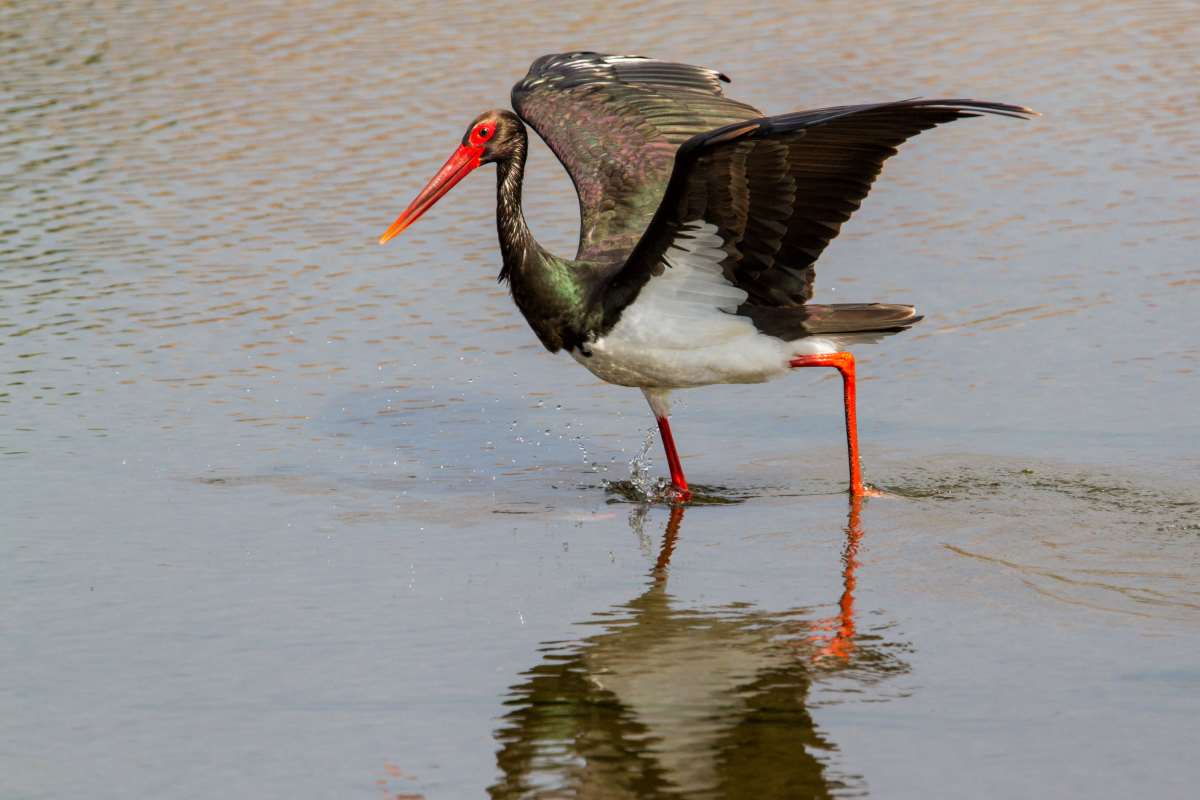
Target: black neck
516,242
552,293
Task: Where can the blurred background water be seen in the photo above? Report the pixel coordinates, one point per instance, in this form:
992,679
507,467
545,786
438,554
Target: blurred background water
286,513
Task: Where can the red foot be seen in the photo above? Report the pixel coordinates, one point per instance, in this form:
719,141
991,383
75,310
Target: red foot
843,363
682,492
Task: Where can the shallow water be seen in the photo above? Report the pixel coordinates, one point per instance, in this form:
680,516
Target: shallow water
287,513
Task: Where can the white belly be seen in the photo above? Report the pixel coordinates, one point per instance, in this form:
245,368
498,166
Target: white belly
681,331
738,353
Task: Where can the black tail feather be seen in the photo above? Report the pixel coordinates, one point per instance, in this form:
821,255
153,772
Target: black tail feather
795,322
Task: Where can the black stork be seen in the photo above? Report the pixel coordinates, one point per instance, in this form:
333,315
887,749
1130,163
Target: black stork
701,220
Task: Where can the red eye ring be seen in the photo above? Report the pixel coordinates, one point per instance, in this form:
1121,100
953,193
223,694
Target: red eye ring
481,134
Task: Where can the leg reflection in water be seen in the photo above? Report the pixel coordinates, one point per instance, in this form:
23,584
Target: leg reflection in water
841,644
664,699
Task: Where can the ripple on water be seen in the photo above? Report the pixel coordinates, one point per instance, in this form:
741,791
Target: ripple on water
209,372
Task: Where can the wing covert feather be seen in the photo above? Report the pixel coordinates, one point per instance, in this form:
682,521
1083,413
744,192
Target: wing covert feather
615,123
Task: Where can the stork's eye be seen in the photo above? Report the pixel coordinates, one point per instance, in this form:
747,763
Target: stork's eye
484,132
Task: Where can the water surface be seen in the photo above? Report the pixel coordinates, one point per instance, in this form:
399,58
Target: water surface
287,513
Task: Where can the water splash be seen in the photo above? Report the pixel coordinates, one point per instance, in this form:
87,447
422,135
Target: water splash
640,466
641,486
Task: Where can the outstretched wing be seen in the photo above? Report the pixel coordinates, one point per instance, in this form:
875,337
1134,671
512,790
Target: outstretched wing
615,122
773,192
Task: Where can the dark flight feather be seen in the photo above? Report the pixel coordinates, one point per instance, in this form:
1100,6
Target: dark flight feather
777,190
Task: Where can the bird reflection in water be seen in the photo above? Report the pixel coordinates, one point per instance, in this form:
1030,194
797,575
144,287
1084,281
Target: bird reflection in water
667,701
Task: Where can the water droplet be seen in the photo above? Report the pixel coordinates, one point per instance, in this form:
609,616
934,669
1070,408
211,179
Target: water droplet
640,465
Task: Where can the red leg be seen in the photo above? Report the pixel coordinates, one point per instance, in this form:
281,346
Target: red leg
677,479
843,363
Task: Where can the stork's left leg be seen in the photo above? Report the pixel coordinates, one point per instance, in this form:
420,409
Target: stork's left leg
677,479
657,398
843,363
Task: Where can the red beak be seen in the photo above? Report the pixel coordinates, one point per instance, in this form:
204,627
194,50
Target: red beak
465,159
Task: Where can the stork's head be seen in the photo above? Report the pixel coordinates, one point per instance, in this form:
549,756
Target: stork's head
494,135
